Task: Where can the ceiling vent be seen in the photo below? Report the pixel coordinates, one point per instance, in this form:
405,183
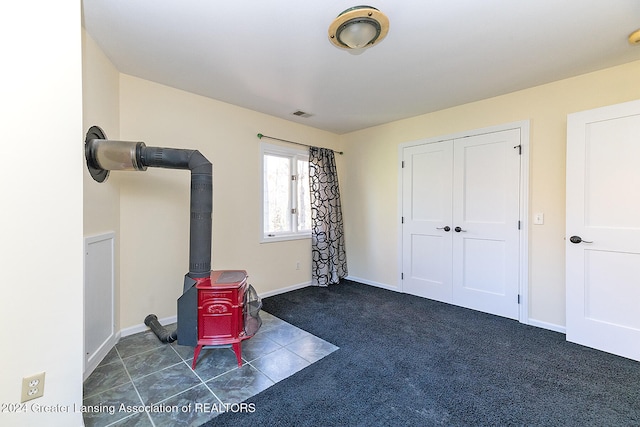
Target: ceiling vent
301,114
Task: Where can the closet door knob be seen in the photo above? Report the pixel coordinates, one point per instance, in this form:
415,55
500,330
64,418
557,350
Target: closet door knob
445,228
458,230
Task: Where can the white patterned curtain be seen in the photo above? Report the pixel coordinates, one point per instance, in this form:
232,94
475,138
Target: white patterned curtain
329,258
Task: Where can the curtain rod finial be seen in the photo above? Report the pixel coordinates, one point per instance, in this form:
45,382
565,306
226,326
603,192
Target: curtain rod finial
260,135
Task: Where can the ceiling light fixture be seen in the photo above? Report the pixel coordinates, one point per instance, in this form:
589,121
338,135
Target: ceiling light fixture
634,38
358,27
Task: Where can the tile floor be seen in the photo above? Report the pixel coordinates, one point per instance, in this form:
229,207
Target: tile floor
141,371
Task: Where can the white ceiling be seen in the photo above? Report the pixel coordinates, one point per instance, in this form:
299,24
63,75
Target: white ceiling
275,57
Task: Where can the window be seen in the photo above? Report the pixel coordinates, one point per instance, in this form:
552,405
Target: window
286,207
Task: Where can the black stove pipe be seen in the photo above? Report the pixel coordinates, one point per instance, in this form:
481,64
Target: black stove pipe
163,335
201,200
104,155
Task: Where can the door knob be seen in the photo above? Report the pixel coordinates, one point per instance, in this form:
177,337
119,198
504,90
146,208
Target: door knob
445,228
577,239
458,229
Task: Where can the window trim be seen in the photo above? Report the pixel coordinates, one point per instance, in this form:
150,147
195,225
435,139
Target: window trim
295,154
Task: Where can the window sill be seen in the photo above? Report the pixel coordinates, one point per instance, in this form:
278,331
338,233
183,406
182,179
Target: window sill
284,238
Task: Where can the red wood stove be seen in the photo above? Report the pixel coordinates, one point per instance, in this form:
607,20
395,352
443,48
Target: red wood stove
220,311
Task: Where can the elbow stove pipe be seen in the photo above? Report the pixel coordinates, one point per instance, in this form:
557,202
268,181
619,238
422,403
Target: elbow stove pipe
103,155
160,331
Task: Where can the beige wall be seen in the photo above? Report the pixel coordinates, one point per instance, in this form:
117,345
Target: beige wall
370,184
100,87
154,205
100,106
41,215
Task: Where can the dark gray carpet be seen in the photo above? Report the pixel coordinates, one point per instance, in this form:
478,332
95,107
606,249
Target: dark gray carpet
409,361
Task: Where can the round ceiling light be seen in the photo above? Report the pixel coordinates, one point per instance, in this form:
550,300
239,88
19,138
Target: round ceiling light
358,27
634,38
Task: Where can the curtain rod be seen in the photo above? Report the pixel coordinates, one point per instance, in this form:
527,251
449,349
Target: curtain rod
260,136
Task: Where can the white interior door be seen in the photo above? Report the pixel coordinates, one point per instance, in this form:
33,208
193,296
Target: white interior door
427,204
603,229
486,211
460,234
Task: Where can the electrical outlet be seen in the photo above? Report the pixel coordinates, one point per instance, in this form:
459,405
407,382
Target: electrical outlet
32,387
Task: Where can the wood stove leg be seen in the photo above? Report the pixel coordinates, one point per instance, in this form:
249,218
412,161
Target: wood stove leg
238,351
196,353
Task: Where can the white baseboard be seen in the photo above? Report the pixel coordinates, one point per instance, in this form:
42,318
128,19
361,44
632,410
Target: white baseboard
173,319
100,354
131,330
372,283
142,327
549,326
283,290
533,322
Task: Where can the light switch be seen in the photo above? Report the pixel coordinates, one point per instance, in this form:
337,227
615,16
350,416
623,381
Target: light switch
538,218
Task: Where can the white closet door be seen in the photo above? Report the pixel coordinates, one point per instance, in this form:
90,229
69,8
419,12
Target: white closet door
461,237
427,203
603,229
486,181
